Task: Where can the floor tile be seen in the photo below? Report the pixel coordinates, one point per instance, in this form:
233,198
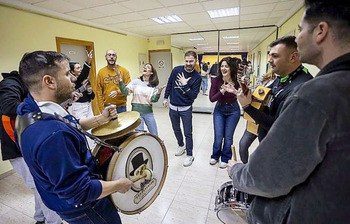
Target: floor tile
188,194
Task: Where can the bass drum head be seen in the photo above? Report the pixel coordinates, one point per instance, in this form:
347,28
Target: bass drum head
143,159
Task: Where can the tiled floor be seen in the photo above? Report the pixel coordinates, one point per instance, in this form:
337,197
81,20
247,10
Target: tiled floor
188,193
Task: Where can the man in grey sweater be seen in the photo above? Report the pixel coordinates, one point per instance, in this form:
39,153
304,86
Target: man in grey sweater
300,171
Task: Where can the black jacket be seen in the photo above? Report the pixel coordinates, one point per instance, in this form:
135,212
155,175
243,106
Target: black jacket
280,92
12,93
87,97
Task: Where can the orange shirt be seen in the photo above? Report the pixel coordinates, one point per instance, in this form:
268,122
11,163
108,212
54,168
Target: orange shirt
107,82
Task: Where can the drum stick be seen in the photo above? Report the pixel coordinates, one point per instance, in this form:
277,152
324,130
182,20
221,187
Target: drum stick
234,157
139,177
147,173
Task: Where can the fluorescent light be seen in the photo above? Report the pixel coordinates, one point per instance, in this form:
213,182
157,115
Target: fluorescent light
232,43
223,12
178,19
194,39
202,44
167,19
230,37
158,20
164,19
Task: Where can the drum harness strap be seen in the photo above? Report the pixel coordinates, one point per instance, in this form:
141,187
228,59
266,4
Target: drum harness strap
22,122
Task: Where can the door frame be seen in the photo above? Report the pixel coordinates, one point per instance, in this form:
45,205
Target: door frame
92,76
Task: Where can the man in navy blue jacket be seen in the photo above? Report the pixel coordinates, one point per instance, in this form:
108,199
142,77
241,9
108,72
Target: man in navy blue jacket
183,88
65,173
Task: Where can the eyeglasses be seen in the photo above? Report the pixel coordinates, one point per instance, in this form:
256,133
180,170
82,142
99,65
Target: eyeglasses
111,55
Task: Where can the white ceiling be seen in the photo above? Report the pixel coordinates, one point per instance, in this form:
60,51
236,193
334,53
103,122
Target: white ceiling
134,17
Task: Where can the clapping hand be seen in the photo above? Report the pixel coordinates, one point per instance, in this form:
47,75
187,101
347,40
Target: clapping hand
181,78
242,98
118,76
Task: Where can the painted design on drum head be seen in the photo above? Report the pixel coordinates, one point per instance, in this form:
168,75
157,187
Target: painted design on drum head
139,169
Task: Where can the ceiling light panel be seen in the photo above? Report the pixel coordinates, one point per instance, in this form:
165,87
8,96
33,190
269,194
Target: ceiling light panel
217,13
230,37
194,39
167,19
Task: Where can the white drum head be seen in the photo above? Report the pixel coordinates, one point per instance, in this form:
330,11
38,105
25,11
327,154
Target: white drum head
142,153
227,215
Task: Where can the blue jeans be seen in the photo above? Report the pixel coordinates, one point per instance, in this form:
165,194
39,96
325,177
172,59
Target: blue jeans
150,122
186,117
204,84
99,212
121,109
226,117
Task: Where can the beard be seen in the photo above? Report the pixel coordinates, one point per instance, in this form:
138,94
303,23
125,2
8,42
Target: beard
63,93
111,62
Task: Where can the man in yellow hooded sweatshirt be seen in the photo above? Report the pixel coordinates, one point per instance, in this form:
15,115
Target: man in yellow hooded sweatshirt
108,78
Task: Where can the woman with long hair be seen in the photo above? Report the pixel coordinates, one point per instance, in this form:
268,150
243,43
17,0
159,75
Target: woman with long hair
145,92
82,107
226,113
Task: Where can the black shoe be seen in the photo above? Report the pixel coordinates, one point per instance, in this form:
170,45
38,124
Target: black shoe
40,222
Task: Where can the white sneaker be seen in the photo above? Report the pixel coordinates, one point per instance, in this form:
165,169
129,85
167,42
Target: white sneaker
180,150
213,161
222,165
188,161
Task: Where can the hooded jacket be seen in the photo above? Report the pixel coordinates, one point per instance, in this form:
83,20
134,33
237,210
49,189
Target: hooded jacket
12,93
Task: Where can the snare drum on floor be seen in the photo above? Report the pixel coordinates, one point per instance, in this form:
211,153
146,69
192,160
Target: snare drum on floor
142,159
228,199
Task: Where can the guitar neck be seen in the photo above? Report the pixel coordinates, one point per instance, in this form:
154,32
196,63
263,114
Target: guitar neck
245,88
81,89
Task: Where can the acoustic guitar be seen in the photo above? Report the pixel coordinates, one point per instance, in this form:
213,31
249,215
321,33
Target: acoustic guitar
81,89
260,99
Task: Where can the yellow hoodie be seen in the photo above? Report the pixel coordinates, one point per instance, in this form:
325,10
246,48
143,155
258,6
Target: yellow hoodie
107,82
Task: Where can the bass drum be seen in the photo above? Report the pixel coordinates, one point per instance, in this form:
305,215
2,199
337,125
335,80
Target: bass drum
142,159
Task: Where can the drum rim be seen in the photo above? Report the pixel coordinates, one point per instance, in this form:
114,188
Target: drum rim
114,159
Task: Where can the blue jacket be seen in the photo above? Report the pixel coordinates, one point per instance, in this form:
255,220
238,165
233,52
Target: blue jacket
182,95
63,168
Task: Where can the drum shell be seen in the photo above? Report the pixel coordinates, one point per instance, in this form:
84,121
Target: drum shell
131,144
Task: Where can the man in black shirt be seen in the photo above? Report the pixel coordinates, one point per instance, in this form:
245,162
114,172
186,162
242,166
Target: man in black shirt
284,61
